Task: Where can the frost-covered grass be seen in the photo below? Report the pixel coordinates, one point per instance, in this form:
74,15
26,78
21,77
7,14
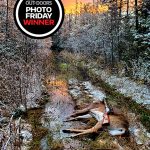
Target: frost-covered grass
121,99
140,93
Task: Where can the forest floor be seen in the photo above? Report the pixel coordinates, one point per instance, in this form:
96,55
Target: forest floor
69,88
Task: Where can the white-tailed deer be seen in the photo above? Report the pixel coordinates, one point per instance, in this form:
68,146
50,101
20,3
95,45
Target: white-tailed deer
116,123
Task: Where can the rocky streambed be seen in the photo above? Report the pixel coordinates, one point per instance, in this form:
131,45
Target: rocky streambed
56,111
65,97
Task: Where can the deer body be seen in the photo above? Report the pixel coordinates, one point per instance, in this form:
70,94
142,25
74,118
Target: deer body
116,122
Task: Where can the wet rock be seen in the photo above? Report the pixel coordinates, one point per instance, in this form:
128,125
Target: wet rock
73,82
22,108
75,93
93,91
44,89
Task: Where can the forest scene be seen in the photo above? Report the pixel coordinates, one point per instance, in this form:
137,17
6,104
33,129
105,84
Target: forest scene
87,87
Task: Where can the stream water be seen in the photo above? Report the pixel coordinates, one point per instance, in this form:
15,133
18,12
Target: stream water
57,110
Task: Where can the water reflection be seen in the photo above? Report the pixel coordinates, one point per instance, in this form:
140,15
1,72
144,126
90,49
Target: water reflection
57,110
58,87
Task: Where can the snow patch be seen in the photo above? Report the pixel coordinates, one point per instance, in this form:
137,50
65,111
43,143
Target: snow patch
92,90
139,92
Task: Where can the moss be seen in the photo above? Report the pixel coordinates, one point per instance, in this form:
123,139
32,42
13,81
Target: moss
38,132
54,144
69,72
33,117
104,141
64,66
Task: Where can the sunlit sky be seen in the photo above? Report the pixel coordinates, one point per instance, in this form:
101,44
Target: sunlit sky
69,4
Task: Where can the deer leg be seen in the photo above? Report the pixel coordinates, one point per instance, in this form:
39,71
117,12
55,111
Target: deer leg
83,132
83,111
80,112
79,117
86,110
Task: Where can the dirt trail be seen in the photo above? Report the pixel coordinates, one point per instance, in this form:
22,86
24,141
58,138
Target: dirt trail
57,110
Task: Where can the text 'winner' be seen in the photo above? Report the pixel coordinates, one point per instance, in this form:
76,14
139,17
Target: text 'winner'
39,16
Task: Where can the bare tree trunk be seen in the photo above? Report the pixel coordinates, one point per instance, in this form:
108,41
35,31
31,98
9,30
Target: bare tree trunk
69,21
20,86
27,72
127,8
76,11
112,51
7,13
136,15
120,9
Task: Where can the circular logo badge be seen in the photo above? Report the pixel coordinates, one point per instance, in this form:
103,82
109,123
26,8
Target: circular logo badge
39,18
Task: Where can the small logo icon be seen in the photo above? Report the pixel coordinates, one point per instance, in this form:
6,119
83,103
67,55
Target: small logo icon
39,18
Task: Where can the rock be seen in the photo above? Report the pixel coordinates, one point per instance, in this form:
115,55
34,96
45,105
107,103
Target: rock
148,135
90,96
73,82
93,91
26,135
22,108
44,89
32,104
138,138
75,93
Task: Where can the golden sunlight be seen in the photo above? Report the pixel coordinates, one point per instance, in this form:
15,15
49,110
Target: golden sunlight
70,6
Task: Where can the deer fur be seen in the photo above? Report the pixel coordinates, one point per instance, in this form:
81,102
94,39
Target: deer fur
118,124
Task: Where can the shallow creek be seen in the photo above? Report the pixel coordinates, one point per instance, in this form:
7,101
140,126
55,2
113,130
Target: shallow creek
57,110
61,106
